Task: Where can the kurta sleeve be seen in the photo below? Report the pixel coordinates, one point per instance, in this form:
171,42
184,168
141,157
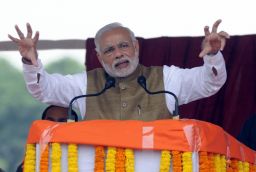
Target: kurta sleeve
195,83
55,89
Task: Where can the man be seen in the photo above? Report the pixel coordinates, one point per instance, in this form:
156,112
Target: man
57,114
118,50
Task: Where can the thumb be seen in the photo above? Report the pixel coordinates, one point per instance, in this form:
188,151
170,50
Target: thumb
203,53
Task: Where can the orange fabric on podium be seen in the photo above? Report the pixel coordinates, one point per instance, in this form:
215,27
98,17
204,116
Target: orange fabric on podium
182,135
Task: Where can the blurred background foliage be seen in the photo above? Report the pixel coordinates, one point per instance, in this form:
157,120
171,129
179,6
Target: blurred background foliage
18,109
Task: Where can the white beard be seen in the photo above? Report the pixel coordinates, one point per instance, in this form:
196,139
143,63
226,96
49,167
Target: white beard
113,71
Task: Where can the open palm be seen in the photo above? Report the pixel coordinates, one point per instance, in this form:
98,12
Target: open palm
27,45
213,41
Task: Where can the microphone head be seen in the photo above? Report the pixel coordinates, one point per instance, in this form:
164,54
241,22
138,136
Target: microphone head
110,82
142,81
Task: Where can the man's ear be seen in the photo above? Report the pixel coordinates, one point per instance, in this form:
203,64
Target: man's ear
97,54
99,57
137,46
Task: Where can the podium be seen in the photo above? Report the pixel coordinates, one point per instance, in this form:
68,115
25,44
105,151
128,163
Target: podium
183,145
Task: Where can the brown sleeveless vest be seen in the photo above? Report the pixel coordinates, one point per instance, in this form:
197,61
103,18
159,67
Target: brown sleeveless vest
127,100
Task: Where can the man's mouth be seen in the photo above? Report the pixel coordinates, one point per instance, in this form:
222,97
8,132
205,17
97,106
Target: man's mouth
122,64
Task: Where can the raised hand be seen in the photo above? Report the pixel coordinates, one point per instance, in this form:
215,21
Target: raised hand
213,41
27,45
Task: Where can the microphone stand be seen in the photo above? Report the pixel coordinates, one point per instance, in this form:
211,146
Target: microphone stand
142,81
110,82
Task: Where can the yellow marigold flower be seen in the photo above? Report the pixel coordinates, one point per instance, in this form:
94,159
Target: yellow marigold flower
56,157
165,161
30,158
129,161
111,159
72,158
240,166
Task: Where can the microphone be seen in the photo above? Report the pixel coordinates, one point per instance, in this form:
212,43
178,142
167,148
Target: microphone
110,82
142,81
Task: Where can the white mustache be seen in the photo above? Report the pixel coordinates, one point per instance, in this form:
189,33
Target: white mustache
113,71
118,61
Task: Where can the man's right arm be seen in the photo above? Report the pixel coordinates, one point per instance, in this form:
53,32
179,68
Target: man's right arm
54,89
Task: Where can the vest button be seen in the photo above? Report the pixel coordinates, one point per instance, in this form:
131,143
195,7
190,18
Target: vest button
124,104
122,86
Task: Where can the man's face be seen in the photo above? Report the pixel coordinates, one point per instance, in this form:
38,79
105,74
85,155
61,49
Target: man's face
57,114
118,53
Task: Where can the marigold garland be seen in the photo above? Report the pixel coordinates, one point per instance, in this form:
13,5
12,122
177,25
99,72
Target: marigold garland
211,162
129,160
223,164
165,162
240,166
234,165
56,157
99,159
203,162
176,161
252,168
228,165
187,162
30,158
120,160
217,163
111,159
72,158
246,167
44,159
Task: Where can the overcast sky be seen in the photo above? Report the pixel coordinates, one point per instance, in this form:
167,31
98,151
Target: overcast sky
80,19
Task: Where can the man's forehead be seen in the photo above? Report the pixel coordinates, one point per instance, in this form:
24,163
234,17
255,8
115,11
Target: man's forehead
117,34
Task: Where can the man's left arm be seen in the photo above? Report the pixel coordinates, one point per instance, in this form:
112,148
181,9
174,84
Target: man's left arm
203,81
195,83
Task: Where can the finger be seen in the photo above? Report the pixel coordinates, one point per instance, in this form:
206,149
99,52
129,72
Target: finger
215,26
13,39
224,34
36,37
206,31
223,43
204,52
21,35
29,30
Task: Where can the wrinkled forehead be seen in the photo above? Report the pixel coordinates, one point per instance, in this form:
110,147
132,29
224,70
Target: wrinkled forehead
115,36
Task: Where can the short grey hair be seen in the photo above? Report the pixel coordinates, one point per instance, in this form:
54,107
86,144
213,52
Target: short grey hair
107,28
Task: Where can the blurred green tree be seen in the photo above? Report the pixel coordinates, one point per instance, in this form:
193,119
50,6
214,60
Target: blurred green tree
65,65
18,109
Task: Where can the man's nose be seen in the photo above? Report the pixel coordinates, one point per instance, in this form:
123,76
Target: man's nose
118,53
